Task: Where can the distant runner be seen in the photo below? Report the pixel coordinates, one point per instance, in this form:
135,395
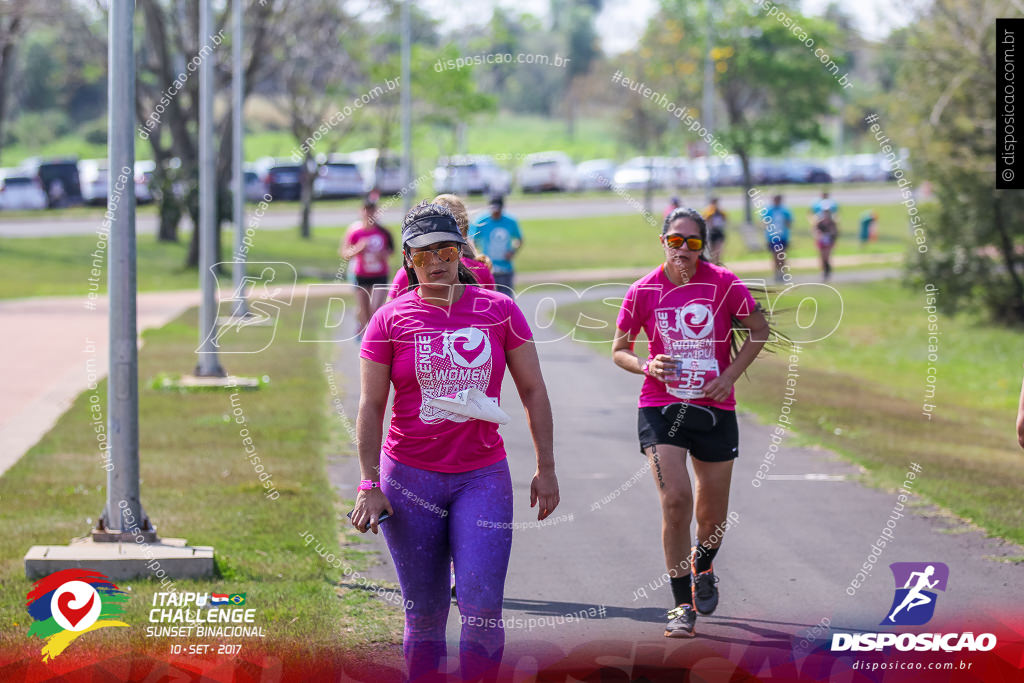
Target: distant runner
716,221
777,221
497,235
368,245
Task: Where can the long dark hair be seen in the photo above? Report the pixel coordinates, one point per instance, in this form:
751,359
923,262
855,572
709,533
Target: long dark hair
422,210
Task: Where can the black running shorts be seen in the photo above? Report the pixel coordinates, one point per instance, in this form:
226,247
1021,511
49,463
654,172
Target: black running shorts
710,434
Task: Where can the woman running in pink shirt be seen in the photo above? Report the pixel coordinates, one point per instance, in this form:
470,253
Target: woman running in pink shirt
687,307
442,475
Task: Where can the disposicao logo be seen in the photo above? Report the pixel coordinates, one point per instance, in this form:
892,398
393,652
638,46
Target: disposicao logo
914,602
913,605
69,603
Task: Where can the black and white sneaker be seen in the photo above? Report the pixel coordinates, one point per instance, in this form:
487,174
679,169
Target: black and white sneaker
681,621
705,592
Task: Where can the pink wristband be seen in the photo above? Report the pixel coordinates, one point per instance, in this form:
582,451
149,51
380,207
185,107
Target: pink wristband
366,485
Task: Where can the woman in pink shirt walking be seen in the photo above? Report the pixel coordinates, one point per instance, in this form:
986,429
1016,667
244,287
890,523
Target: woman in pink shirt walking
441,474
368,245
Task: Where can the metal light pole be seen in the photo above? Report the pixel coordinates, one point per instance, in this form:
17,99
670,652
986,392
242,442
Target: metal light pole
406,108
237,83
123,517
208,365
708,104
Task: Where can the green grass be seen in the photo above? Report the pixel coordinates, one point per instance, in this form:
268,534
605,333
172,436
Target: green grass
198,483
51,266
860,392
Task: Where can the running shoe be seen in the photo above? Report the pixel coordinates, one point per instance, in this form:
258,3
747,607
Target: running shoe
681,621
705,591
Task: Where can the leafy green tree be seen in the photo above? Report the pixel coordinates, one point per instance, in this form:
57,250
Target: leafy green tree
771,90
945,116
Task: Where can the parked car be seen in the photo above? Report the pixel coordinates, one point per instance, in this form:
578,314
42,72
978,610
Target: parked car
806,171
282,177
595,174
338,178
767,171
547,171
380,170
143,181
59,178
470,174
639,172
255,190
20,189
94,180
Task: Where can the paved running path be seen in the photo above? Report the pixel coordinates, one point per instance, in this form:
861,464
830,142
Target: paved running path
798,541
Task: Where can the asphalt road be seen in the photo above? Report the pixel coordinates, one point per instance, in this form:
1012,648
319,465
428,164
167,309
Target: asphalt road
326,214
798,541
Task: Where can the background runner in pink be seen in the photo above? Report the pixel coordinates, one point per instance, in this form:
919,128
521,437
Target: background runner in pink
694,319
436,352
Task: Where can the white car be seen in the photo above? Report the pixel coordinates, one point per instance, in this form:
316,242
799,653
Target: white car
143,178
639,172
470,174
94,180
21,190
547,171
338,178
596,174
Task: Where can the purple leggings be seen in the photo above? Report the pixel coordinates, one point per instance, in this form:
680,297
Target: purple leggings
439,517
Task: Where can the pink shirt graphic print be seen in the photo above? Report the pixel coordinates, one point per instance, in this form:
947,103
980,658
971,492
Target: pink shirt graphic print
692,323
435,352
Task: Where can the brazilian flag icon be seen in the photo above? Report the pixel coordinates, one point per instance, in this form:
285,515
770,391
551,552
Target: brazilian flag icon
237,598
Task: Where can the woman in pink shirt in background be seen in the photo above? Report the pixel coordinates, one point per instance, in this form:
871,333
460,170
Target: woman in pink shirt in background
478,264
368,245
442,476
687,307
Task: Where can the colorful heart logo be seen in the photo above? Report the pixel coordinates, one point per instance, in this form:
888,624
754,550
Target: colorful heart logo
72,614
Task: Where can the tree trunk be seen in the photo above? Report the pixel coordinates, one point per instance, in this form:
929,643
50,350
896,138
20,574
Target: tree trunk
748,211
306,195
6,69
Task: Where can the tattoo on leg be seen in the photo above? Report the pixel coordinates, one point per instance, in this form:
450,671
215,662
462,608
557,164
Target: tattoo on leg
657,466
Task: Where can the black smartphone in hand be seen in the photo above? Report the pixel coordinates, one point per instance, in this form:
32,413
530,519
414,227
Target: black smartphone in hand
383,515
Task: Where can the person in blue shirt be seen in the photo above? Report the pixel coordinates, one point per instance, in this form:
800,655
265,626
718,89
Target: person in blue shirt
819,207
777,221
498,236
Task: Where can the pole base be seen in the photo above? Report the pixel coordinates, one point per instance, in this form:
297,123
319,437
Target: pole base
216,371
169,558
108,536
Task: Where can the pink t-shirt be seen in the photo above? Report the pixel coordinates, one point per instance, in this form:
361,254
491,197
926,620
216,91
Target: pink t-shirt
692,323
372,261
483,276
434,352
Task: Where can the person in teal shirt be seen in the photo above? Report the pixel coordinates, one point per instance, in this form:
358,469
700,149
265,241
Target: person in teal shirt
867,223
498,236
777,221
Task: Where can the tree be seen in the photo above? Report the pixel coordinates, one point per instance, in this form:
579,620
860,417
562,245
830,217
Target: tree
770,86
946,117
316,65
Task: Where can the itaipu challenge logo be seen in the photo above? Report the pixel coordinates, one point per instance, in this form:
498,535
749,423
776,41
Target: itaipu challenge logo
70,603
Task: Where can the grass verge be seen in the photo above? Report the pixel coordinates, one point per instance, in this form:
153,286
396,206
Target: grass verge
198,483
53,266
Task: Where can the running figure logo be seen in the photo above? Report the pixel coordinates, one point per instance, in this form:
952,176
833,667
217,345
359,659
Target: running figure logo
914,602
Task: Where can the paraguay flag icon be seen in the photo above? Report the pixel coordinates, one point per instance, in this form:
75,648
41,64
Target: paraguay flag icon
218,599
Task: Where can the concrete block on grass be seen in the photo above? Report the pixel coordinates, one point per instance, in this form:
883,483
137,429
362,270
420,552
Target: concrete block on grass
121,561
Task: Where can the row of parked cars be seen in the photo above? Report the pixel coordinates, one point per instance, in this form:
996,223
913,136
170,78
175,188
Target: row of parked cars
50,183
